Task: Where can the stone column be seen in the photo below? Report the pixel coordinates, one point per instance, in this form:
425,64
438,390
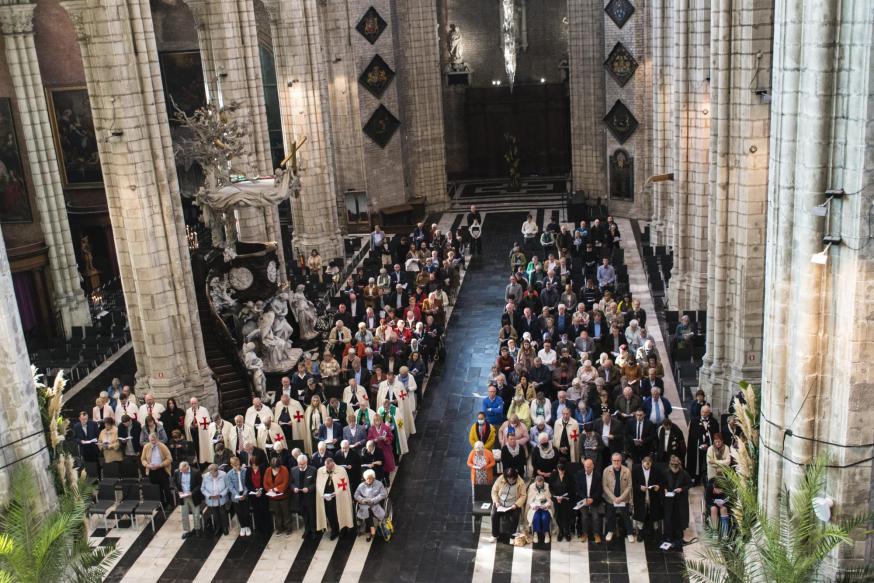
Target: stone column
301,73
691,111
586,58
662,20
20,421
422,95
739,148
117,42
16,24
228,38
818,343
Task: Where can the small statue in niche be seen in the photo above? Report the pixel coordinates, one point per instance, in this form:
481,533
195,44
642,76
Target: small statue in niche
256,367
456,48
621,175
305,314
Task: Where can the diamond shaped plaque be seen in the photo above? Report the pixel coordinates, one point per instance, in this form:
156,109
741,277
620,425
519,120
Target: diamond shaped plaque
377,76
621,122
381,126
371,25
621,64
619,11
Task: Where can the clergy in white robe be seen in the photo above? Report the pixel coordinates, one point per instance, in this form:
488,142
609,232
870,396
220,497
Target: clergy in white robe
395,392
389,413
256,413
150,408
409,383
238,435
333,498
128,407
566,437
355,395
289,415
268,433
197,420
218,431
314,417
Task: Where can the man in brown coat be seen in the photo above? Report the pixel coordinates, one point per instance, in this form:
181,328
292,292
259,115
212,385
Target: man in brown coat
156,460
617,496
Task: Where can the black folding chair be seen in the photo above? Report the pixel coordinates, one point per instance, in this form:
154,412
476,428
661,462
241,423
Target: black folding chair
482,503
111,474
130,471
104,504
130,499
150,504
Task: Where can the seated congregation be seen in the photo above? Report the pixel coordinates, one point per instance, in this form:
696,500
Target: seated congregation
575,425
320,449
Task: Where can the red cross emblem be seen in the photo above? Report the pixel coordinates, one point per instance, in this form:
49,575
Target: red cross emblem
342,484
204,423
298,416
574,435
277,437
402,395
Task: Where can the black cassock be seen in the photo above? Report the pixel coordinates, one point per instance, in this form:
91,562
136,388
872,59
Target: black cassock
676,508
642,512
352,460
701,432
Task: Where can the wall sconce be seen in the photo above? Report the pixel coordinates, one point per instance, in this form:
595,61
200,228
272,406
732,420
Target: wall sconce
822,210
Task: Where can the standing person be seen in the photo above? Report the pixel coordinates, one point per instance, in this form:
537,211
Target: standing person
276,488
561,486
701,434
108,442
197,420
617,494
474,227
333,499
255,472
188,481
508,500
85,432
369,495
150,408
676,502
214,487
303,489
157,463
587,487
381,435
481,463
173,417
238,493
646,486
529,234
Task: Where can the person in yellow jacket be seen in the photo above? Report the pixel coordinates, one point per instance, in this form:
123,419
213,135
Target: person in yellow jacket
483,431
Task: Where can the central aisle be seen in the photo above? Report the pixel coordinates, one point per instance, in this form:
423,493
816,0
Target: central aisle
431,493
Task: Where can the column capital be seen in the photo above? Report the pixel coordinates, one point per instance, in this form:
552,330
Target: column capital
16,19
76,10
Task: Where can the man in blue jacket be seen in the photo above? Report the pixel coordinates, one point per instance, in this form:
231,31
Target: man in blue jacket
493,407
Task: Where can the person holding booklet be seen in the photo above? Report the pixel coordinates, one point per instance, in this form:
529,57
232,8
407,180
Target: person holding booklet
647,484
676,502
188,482
617,494
236,479
214,487
333,499
276,490
508,500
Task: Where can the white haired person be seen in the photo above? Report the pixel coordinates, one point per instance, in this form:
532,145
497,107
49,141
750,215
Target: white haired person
369,496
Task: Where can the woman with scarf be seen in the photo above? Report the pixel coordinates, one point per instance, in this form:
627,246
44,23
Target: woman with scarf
483,431
372,459
519,409
389,414
514,455
545,457
540,509
482,464
381,435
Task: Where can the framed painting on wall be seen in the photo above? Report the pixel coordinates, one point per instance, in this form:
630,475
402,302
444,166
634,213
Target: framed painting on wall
14,202
75,138
182,73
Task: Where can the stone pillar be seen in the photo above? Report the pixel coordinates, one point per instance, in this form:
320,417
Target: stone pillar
117,41
348,139
691,111
662,20
586,58
228,38
738,196
817,337
16,24
301,74
20,421
421,93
